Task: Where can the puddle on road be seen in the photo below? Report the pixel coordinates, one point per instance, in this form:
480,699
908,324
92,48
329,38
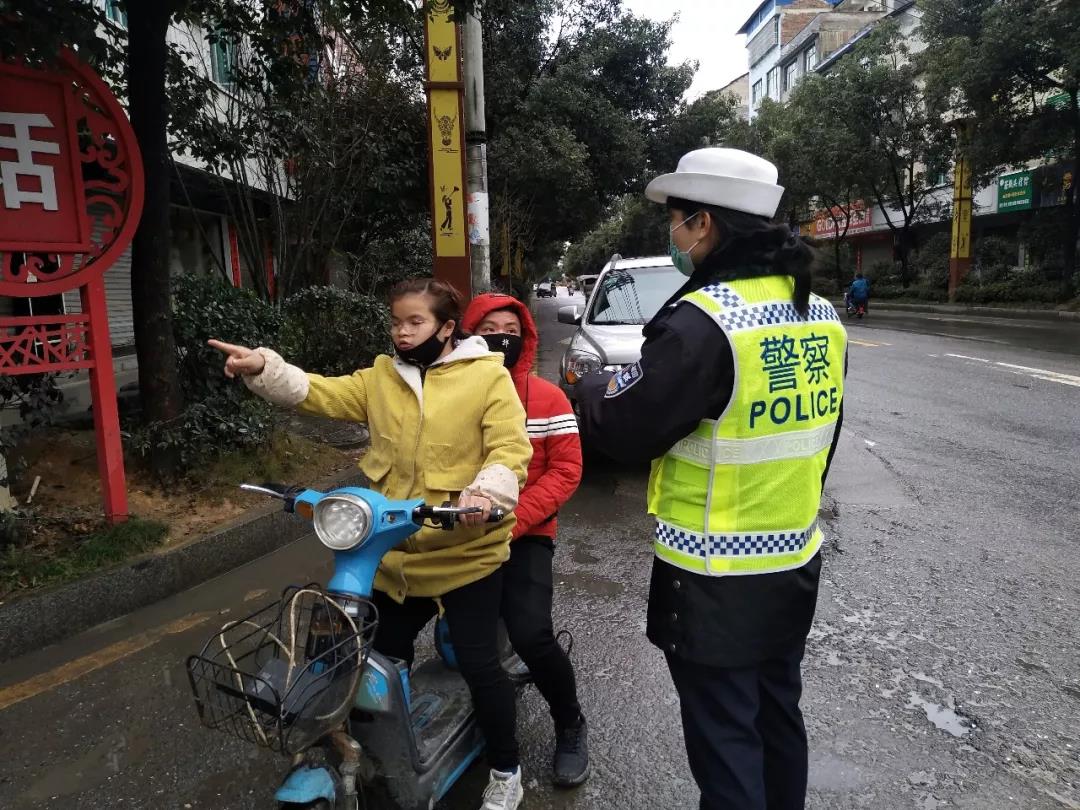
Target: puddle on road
598,586
90,768
942,717
583,557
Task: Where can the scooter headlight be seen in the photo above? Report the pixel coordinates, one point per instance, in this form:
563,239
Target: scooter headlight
342,521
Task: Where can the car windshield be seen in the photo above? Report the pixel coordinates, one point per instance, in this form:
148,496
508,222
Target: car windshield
631,297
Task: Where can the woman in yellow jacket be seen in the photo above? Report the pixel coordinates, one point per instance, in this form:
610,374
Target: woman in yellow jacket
446,424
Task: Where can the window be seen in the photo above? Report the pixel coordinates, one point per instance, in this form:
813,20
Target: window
811,58
755,95
222,60
772,84
791,76
115,13
633,296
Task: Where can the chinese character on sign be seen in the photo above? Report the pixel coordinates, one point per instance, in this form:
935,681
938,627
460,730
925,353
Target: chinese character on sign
780,359
816,354
24,146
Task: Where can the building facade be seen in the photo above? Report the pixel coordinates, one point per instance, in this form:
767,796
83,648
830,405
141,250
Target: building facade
740,90
1002,208
774,24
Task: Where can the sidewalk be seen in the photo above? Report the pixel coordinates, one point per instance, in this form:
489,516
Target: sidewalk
969,309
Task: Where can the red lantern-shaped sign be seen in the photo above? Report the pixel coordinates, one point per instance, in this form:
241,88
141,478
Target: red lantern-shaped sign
66,149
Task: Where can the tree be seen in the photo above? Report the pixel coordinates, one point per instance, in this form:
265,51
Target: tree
877,92
1013,68
830,160
313,145
635,226
706,121
576,91
151,293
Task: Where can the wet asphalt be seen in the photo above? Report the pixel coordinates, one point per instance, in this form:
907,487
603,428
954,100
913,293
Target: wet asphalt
943,670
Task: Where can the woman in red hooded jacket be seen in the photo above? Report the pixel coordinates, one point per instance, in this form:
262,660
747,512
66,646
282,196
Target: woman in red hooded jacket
554,474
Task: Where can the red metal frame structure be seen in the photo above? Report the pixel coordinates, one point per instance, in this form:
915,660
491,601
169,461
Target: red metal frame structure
66,146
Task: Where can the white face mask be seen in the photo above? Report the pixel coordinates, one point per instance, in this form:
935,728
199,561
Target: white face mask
682,260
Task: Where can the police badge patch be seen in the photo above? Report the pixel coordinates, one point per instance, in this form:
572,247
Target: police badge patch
624,380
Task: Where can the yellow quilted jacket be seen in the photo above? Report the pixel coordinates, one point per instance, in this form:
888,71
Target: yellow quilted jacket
431,438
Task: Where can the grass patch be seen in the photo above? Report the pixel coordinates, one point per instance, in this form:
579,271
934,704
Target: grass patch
62,536
27,567
286,459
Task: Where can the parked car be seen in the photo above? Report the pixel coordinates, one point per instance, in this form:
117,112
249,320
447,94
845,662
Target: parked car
625,297
546,289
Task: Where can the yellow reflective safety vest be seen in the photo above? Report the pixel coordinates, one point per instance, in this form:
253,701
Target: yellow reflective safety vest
740,495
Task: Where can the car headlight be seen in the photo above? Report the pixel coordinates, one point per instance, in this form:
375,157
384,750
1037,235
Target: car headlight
342,521
578,363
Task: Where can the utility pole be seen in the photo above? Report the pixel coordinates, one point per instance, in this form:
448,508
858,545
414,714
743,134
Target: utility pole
476,155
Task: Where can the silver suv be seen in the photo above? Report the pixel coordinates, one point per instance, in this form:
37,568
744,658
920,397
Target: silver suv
627,294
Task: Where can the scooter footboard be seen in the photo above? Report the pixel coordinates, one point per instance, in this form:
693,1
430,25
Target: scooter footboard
420,732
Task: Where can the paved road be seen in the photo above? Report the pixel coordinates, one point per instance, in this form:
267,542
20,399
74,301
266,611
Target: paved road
943,670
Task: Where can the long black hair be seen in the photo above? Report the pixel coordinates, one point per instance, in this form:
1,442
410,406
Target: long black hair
753,241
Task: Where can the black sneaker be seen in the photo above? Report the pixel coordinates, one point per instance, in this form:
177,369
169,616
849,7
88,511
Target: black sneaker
571,755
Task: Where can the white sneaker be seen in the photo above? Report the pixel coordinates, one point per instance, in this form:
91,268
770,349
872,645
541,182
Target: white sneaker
504,791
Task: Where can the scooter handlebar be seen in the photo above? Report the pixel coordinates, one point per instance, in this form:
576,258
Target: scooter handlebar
447,516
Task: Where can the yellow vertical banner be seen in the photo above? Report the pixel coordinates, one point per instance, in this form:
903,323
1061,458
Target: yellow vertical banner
960,255
961,224
446,128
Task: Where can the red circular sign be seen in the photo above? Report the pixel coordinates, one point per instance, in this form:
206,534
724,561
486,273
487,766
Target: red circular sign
71,178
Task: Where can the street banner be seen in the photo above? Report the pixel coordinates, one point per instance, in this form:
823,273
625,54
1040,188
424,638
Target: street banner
446,141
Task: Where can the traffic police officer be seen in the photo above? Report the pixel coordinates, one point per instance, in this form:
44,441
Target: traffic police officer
737,401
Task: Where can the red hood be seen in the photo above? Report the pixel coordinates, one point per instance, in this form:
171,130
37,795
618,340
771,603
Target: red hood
482,305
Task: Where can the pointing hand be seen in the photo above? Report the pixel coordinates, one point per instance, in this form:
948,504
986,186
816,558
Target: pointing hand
241,360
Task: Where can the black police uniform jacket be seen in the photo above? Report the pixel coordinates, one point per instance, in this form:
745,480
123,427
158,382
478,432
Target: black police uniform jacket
688,374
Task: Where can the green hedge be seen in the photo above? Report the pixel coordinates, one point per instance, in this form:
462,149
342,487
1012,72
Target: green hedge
1012,292
331,331
219,415
326,330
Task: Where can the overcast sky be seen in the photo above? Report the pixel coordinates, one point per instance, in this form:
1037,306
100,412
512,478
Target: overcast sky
705,32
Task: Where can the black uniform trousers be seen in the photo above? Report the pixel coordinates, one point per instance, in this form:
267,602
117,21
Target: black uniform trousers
744,733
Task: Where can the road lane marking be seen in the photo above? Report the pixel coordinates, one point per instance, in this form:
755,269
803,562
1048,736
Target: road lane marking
1027,371
72,670
870,443
1041,373
566,341
866,343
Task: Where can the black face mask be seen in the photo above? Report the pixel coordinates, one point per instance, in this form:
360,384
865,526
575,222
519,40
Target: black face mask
426,353
507,345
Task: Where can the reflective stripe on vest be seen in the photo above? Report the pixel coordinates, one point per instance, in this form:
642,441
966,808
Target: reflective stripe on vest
740,494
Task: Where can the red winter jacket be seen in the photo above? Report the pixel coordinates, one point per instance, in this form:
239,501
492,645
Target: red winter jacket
555,469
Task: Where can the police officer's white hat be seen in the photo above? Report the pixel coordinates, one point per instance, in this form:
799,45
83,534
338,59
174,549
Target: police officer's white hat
728,178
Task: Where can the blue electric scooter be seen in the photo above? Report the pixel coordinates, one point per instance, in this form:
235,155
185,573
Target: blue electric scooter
300,676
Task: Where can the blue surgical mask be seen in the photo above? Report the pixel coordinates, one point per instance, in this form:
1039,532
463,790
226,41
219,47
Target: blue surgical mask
681,258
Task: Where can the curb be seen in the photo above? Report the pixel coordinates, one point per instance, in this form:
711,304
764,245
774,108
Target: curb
53,614
1053,315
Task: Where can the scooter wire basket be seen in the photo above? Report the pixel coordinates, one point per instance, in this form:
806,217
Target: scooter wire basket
287,674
